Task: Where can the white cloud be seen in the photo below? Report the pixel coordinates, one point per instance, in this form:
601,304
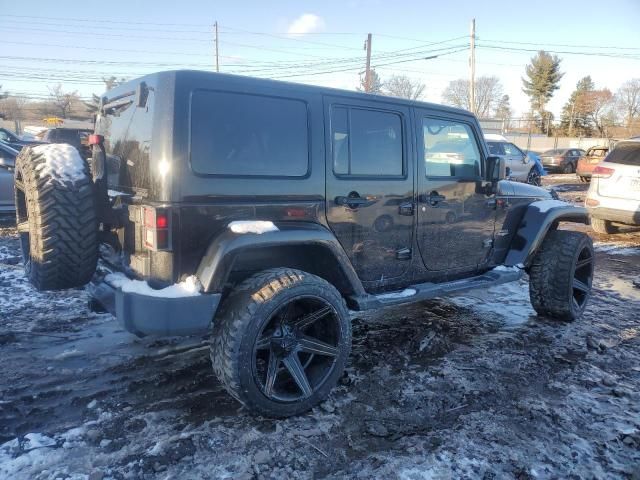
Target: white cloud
306,23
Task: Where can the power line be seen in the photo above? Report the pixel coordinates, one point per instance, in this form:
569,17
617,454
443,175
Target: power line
105,21
615,47
562,52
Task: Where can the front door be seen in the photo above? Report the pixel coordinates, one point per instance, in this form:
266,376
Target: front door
515,160
369,191
455,218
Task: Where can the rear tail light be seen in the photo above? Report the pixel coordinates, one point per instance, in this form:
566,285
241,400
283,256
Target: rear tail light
95,139
602,172
156,228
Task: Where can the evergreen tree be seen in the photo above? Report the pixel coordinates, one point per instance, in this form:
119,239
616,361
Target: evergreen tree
574,120
503,109
542,79
376,83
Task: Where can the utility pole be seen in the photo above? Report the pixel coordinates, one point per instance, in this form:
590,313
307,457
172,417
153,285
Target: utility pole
215,26
472,67
367,73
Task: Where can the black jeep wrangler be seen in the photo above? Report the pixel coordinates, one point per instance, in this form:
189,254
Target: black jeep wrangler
266,210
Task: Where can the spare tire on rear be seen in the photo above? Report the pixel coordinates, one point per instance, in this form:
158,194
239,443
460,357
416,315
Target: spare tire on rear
56,216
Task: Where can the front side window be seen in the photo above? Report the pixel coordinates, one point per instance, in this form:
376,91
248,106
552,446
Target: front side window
248,135
366,142
450,149
511,149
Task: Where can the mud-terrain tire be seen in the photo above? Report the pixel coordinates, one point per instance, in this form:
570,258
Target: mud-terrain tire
561,274
56,218
603,226
243,346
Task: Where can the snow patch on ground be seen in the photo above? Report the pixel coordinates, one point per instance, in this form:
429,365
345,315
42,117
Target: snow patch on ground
62,162
252,226
616,248
504,268
407,292
509,301
190,287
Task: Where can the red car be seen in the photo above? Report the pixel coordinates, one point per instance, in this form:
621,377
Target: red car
589,160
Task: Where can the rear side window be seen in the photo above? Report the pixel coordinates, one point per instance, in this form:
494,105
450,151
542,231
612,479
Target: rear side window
248,135
625,154
366,142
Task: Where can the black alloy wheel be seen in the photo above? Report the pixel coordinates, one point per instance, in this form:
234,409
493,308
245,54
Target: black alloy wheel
280,341
296,350
582,278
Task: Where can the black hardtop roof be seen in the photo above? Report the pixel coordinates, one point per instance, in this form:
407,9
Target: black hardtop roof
197,76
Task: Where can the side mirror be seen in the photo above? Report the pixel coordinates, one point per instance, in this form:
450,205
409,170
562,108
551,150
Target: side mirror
496,169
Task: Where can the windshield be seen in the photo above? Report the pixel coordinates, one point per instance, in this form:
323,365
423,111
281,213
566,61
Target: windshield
598,152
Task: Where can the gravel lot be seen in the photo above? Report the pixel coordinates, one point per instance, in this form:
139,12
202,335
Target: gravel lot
471,387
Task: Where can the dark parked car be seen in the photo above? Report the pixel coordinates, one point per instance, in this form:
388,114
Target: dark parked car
563,160
589,160
7,164
76,137
11,139
251,207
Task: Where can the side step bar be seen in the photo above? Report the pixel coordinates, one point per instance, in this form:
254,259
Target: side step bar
428,291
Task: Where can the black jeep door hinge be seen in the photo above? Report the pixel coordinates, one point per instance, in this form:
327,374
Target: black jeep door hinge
406,209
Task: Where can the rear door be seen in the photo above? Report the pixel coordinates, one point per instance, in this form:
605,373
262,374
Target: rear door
455,218
369,188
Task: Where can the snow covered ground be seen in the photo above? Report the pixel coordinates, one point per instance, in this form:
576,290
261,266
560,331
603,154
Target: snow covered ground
471,387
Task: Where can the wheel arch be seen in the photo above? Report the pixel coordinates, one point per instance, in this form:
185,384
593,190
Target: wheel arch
540,218
232,257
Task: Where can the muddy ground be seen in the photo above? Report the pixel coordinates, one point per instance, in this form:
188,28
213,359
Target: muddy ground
471,387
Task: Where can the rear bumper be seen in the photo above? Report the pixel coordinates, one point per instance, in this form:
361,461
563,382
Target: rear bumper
146,315
615,215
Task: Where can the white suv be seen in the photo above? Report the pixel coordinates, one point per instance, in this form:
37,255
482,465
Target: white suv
614,193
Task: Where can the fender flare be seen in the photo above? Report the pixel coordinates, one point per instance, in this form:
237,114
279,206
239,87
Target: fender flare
538,219
218,261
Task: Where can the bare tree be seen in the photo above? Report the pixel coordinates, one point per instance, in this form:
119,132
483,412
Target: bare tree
63,102
13,108
402,86
487,95
628,97
599,103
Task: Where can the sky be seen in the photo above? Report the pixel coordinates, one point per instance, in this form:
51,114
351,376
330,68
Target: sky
78,43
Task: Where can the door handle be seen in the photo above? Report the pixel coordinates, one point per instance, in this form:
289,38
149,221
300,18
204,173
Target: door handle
434,198
350,201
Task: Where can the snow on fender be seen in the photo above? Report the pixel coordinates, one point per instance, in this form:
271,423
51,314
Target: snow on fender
56,216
